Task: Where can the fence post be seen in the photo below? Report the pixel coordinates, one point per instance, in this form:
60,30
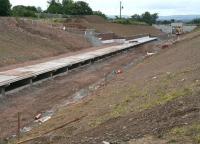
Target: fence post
18,125
3,93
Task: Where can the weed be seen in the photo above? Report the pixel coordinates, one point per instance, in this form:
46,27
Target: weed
96,122
173,141
118,110
165,97
192,132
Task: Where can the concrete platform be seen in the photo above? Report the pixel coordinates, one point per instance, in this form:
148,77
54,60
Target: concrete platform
32,72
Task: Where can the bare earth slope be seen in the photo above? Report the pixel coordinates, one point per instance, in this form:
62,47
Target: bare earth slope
101,25
159,97
155,101
22,41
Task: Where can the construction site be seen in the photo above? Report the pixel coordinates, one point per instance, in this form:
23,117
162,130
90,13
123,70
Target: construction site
87,80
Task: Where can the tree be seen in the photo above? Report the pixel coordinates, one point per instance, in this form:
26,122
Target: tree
149,18
195,21
99,13
5,7
136,17
31,8
39,9
82,8
154,18
146,17
117,17
24,11
173,20
55,7
68,6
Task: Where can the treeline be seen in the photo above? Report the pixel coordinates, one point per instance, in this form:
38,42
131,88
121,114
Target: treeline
66,7
18,11
5,8
25,11
145,18
195,21
168,22
69,7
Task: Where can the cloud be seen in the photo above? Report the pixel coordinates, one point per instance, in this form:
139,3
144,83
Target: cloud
37,3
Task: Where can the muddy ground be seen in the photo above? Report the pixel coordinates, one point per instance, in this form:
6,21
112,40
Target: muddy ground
27,40
44,96
156,121
148,103
143,104
22,41
104,26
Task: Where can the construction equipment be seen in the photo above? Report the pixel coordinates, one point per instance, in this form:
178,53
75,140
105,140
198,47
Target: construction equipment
177,28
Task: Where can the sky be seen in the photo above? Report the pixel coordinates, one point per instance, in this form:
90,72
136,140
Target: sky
111,7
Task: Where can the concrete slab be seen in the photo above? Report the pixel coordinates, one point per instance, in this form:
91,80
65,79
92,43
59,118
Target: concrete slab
6,79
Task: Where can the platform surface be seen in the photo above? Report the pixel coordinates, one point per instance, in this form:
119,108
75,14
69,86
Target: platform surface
10,76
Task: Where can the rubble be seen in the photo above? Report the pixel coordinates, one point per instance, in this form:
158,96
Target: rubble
182,80
168,73
119,71
154,77
44,119
26,129
105,142
150,54
165,46
38,116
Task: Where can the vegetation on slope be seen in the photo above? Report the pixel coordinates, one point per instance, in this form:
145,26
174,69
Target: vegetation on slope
153,97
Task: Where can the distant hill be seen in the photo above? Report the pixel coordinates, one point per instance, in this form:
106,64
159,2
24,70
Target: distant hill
184,18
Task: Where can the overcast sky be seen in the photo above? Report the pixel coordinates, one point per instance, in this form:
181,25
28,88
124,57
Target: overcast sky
111,7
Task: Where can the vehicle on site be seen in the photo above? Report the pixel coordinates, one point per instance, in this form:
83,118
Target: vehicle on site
177,28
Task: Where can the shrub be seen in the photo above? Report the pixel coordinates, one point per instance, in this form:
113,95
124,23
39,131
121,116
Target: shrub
23,11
